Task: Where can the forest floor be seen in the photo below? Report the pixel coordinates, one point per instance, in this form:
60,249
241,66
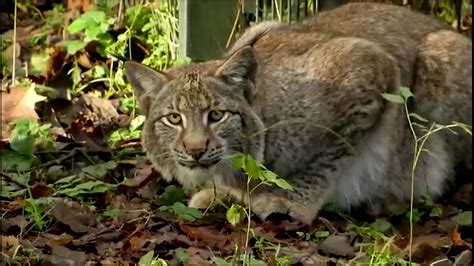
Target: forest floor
76,186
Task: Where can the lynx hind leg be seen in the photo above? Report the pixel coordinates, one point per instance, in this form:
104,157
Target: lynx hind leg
443,87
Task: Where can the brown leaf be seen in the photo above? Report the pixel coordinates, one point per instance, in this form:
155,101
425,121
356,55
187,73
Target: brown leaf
337,245
61,255
207,234
142,176
135,243
19,221
41,190
78,218
10,245
61,239
198,256
18,104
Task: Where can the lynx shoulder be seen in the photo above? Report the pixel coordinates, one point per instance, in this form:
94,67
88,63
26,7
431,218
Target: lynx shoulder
306,100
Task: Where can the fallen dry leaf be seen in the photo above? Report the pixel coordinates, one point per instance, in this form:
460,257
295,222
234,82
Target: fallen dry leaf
61,255
19,221
41,190
61,239
207,234
10,245
337,245
18,104
78,218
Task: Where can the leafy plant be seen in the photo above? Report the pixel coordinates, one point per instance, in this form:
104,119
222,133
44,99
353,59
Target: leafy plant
25,138
426,129
95,25
132,132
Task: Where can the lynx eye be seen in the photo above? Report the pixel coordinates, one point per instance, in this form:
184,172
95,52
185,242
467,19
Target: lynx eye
174,118
215,115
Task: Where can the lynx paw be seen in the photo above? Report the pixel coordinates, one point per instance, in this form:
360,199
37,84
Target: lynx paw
266,203
202,199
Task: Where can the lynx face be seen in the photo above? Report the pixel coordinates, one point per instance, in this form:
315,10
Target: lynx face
196,120
197,124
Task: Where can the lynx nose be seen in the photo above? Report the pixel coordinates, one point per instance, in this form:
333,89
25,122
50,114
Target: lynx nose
195,147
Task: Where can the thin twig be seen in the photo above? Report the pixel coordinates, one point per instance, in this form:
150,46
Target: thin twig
14,42
236,21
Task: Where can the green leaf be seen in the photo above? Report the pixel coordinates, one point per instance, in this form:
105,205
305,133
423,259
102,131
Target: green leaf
283,184
23,137
394,98
171,195
72,46
235,214
90,187
418,117
77,26
115,212
406,93
182,255
252,168
190,214
147,259
382,225
99,170
436,211
321,234
99,71
269,176
239,161
137,122
464,218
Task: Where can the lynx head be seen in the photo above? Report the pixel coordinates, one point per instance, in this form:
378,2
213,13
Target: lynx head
198,115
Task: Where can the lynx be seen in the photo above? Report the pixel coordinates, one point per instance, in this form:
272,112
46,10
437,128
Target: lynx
306,100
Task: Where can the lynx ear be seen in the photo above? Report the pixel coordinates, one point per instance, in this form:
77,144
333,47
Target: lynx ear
144,80
240,70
